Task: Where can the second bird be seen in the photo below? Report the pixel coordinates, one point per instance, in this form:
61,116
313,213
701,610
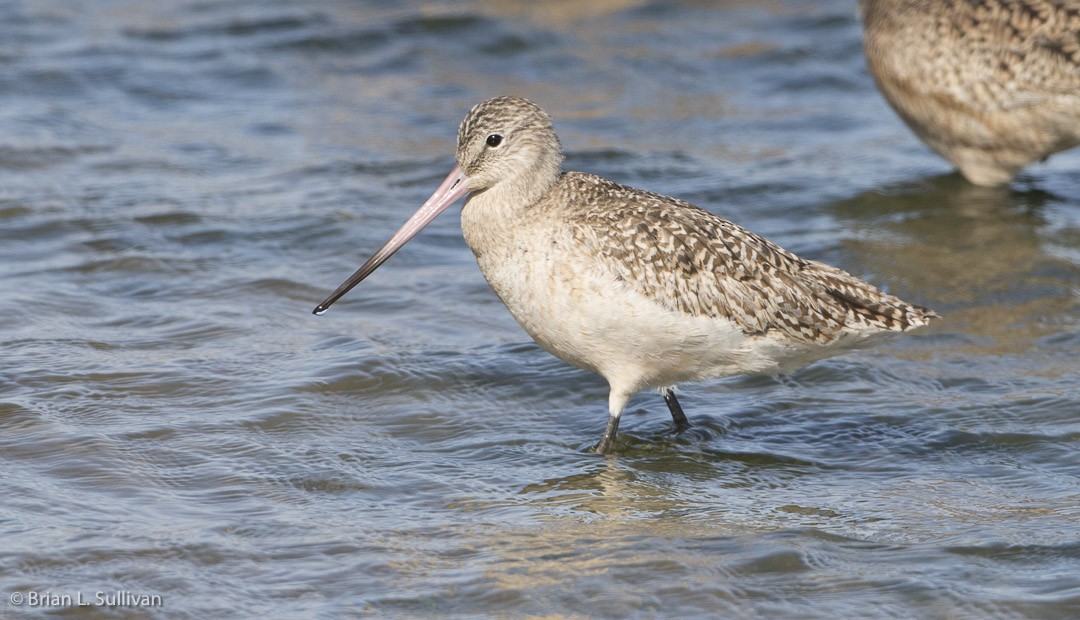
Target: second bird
991,85
646,290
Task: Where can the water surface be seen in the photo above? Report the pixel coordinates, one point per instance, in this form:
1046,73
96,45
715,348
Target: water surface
183,182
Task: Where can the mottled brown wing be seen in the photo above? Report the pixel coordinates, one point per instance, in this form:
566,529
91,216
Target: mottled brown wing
1035,47
989,55
689,260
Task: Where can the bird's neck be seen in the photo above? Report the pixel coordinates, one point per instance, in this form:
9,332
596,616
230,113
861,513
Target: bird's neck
531,183
490,217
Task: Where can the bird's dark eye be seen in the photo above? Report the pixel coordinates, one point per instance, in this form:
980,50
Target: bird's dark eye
494,140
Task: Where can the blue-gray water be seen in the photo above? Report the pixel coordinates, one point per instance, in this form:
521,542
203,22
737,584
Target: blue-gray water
183,181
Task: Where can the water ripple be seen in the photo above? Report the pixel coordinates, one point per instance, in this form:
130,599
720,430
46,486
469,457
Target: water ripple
188,180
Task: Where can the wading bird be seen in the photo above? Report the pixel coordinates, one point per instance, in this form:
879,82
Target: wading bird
990,85
646,290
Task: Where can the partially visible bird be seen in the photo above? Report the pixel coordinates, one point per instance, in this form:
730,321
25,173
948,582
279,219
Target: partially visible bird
990,85
646,290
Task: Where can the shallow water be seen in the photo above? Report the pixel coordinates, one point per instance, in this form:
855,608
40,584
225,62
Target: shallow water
183,182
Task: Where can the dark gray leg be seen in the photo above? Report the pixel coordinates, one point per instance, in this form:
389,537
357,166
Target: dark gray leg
608,440
681,423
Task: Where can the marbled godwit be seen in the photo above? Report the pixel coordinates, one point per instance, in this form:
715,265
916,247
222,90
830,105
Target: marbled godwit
646,290
991,85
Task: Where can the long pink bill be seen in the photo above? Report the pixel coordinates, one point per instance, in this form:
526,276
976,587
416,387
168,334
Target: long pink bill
455,186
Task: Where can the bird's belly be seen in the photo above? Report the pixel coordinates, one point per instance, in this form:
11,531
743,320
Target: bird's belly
589,319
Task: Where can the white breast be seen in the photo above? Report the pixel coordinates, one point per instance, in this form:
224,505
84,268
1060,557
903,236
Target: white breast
582,314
